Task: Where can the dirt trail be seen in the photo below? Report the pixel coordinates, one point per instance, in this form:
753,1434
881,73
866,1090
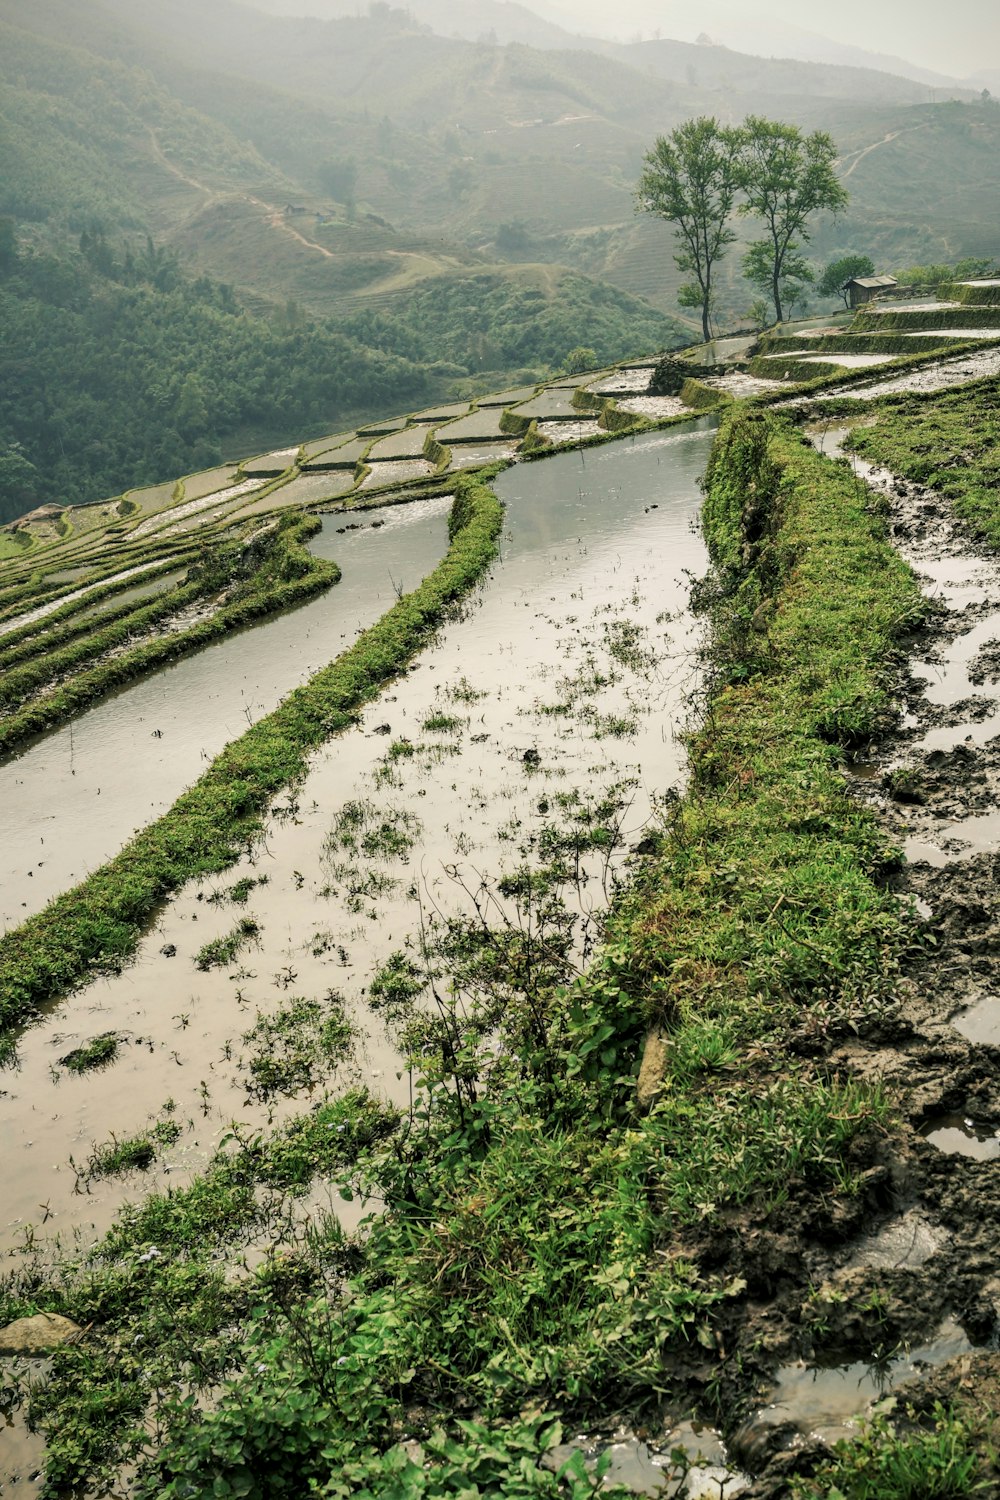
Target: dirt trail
175,171
859,156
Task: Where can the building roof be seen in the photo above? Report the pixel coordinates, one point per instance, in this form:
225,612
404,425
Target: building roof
872,282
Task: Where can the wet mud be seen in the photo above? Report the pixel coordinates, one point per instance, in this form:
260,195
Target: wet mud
898,1291
906,1297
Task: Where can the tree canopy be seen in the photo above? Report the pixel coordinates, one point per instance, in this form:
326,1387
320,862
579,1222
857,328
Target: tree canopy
691,179
786,178
703,173
839,272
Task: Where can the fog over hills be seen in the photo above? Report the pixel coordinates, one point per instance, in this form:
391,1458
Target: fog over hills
930,44
453,209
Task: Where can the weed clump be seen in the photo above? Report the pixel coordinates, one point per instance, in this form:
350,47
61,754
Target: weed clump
134,1153
297,1047
223,950
99,1052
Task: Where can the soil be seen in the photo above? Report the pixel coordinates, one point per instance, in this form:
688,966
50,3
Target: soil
916,1262
898,1289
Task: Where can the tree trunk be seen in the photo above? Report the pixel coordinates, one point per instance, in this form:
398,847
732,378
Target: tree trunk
706,331
776,290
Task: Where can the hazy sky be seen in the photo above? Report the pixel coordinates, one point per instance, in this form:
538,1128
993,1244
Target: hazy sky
958,38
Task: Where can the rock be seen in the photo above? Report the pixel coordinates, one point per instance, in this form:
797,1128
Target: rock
653,1070
169,950
37,1335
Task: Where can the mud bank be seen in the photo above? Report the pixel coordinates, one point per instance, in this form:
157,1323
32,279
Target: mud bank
922,1275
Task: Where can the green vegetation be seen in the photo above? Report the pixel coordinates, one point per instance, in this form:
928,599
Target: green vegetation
839,272
694,177
297,1047
545,1246
691,179
97,1053
788,177
948,440
149,373
100,922
942,1462
221,951
135,1153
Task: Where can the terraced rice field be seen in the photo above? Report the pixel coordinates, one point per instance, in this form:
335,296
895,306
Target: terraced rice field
408,443
479,427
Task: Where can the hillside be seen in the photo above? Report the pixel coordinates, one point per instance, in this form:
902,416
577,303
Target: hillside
124,336
463,212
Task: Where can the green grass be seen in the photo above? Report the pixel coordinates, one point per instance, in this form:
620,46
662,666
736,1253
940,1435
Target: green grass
221,951
97,1053
977,296
869,341
297,1047
942,317
942,1462
135,1153
947,440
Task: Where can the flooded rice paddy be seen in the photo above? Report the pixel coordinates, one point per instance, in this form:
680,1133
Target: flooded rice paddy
75,796
539,730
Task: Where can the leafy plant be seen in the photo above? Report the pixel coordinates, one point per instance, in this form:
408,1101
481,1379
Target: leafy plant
889,1460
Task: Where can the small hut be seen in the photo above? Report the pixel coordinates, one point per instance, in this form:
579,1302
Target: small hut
863,288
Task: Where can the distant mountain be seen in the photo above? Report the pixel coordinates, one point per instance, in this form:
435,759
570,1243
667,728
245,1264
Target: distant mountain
340,164
500,21
754,32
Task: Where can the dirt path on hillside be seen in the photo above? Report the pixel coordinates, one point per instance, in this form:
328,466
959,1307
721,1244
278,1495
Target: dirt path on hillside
168,166
859,156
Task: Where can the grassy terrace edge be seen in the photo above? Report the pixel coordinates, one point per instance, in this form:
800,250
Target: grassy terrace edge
99,923
286,575
634,1241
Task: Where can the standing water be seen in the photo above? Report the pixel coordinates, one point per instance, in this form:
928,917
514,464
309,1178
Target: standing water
539,729
73,798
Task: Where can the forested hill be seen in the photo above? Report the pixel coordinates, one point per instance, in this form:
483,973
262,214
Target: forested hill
123,362
117,369
358,215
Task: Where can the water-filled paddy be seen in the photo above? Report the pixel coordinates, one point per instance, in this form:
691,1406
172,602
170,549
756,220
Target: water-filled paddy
550,708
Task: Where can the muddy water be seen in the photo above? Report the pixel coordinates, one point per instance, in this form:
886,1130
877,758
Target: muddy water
74,797
565,682
965,709
828,1401
939,376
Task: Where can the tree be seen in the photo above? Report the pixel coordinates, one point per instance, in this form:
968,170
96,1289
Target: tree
17,482
691,179
796,275
839,272
339,177
8,244
580,359
786,177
